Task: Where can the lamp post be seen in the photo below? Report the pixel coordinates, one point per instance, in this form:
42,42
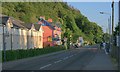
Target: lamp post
109,20
109,25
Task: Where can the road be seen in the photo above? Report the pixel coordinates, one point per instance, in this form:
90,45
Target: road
74,59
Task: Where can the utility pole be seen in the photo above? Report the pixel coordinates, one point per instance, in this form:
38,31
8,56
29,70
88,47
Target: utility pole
119,18
112,21
112,35
112,16
119,38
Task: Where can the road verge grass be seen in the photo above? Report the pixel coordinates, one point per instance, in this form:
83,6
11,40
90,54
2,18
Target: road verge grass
114,56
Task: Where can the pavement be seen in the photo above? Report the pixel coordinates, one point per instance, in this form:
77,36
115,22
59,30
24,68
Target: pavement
101,61
73,59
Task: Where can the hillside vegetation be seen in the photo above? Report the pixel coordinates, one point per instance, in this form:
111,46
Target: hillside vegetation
74,22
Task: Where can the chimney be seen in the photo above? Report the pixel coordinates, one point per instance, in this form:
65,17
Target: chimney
42,17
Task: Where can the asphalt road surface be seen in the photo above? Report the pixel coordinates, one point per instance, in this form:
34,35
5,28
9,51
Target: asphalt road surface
74,59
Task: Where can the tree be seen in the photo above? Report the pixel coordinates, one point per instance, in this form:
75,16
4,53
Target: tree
73,21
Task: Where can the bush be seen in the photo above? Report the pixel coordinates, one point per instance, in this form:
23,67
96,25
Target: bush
115,53
20,54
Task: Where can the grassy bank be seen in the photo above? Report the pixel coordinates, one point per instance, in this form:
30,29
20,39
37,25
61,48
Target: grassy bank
114,54
20,54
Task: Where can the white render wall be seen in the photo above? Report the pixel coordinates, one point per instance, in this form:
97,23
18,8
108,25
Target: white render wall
7,37
23,39
1,37
17,38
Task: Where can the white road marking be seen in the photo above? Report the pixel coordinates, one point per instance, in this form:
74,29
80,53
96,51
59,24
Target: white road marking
71,56
75,54
45,66
58,61
65,58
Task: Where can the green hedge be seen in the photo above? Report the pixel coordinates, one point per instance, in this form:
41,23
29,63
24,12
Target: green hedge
20,54
115,54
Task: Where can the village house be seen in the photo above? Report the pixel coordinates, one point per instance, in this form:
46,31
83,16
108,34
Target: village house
48,32
35,35
56,33
52,32
15,35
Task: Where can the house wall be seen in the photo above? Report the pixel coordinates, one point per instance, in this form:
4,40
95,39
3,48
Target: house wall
1,37
16,44
40,39
47,32
7,36
30,40
23,39
35,39
17,38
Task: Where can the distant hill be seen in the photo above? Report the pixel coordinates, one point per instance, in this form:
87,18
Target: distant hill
73,21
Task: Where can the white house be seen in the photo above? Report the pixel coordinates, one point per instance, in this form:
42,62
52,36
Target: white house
35,35
15,34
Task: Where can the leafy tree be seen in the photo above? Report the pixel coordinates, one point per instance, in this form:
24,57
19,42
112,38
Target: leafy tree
73,21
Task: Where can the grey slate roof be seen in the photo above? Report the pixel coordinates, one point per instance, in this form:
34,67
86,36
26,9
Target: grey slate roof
37,26
16,23
3,20
28,26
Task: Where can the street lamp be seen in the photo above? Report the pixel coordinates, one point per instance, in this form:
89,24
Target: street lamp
109,20
109,25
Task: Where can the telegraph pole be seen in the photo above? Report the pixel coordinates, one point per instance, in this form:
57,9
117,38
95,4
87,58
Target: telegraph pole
119,18
119,38
112,35
112,20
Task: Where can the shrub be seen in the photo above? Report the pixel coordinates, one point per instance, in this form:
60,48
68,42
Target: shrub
20,54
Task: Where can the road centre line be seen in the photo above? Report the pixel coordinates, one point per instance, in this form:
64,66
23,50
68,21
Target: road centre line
58,61
65,58
71,56
45,66
75,54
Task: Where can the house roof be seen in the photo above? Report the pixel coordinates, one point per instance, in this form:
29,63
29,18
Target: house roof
16,23
45,23
55,24
28,26
3,19
37,26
